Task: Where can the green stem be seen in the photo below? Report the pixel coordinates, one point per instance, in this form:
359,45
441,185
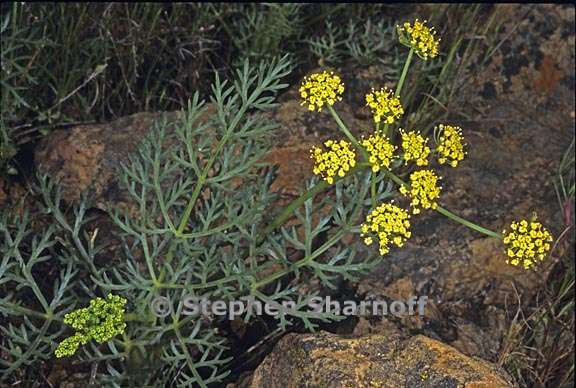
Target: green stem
404,73
346,132
349,135
197,189
396,179
189,359
149,260
200,185
399,86
214,283
208,232
451,215
24,311
31,348
373,189
288,210
301,263
467,223
309,258
319,187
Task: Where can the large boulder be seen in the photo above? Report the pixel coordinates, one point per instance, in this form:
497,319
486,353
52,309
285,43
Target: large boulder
86,158
326,360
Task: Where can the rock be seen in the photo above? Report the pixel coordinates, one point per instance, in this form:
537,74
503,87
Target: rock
15,198
487,267
326,360
469,286
87,157
519,122
294,167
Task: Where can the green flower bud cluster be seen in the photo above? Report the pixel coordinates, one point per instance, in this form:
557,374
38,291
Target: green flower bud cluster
101,321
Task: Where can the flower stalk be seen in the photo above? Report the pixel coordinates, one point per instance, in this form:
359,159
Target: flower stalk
404,73
346,132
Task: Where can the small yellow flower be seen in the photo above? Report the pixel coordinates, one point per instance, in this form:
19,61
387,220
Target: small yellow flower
420,38
389,223
101,321
335,162
527,243
384,105
451,145
321,88
423,190
415,147
70,345
380,149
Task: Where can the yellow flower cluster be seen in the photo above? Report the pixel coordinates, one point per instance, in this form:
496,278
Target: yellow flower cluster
415,147
101,321
384,105
423,190
528,242
380,149
321,88
451,145
70,345
336,161
389,223
420,38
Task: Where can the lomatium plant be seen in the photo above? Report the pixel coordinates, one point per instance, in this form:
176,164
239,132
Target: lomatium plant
204,224
527,242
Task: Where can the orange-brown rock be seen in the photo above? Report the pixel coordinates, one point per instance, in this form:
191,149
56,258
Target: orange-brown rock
326,360
88,157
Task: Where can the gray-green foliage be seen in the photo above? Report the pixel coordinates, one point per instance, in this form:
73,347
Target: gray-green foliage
260,31
32,310
202,202
366,43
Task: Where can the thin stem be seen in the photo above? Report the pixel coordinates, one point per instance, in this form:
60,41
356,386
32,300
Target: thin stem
31,349
399,89
199,185
159,193
203,285
404,73
189,359
373,189
301,263
24,311
309,258
149,260
288,210
346,132
319,187
467,223
208,231
396,179
451,215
